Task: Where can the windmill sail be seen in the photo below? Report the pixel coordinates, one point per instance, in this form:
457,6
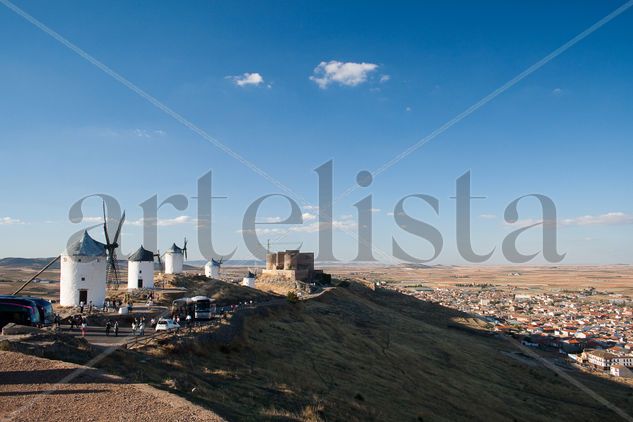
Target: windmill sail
112,271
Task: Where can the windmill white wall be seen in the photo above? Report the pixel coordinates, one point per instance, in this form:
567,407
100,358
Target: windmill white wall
83,273
249,281
174,259
173,263
212,270
140,270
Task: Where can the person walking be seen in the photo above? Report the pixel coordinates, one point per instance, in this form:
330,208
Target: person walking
141,329
107,328
81,307
134,328
116,328
83,327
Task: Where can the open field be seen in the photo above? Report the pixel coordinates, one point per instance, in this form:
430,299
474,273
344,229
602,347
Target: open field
612,278
534,279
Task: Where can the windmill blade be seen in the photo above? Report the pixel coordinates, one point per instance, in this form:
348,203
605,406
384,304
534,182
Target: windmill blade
118,230
184,249
105,225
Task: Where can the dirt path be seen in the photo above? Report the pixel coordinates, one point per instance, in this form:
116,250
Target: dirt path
38,389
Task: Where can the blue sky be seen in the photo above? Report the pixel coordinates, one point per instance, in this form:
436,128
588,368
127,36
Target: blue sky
250,75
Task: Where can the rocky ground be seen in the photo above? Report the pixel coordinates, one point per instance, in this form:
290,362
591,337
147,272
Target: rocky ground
39,389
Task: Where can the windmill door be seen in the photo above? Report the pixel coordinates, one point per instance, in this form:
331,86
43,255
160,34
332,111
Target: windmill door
83,296
140,283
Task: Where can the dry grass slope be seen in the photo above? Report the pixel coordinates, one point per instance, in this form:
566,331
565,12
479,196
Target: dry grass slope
356,354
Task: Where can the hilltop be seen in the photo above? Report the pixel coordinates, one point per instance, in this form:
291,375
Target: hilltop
358,354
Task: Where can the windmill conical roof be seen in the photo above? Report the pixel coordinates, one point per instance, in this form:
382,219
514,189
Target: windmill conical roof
86,246
174,249
142,254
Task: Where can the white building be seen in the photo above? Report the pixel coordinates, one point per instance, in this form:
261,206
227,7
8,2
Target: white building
621,371
174,259
83,273
212,269
600,358
249,280
140,269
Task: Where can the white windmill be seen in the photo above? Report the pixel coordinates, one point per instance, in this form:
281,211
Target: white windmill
175,258
249,280
83,273
140,269
212,268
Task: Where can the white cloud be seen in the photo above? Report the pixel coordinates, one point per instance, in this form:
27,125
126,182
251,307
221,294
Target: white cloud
348,73
557,92
311,207
92,220
375,210
248,79
344,224
307,216
384,78
8,221
165,222
149,133
271,220
608,219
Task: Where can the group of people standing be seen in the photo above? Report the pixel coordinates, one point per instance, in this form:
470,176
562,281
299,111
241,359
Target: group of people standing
109,327
79,321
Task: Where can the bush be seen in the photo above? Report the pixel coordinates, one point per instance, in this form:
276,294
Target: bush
292,297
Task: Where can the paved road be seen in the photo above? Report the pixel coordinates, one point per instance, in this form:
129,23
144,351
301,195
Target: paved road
96,335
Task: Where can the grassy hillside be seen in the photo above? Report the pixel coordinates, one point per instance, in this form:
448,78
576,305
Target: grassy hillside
355,354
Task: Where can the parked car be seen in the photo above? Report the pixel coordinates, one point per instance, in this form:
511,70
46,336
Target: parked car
164,324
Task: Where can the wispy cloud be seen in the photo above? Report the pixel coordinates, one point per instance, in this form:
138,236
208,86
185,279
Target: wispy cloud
116,133
307,216
165,222
557,92
342,73
8,221
384,78
149,133
608,219
344,224
246,79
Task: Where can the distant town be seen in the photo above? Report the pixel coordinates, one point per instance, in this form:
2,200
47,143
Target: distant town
591,327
